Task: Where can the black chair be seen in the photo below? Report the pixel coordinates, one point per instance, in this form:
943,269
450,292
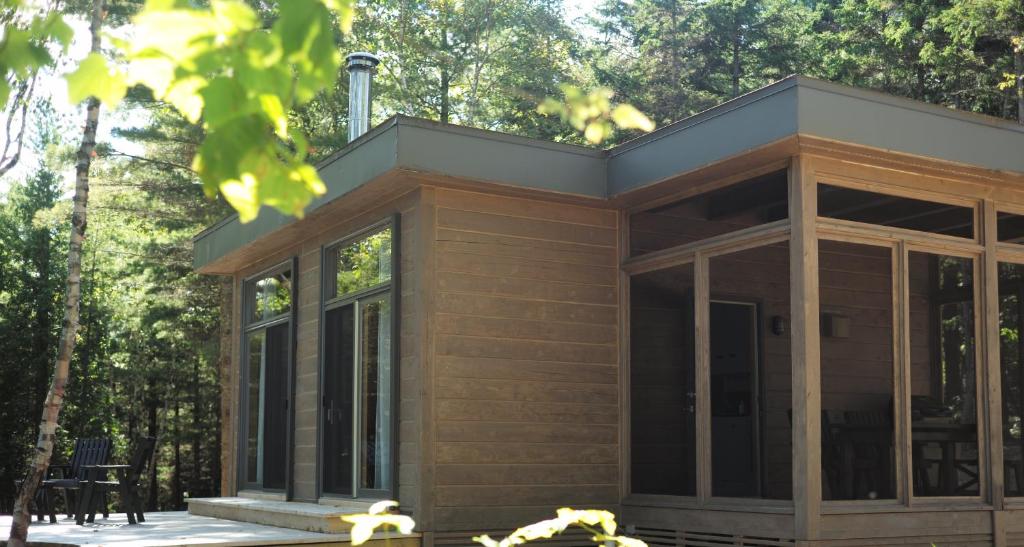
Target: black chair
127,485
68,477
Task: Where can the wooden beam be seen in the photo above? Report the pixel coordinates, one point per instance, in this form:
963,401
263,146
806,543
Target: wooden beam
991,376
806,381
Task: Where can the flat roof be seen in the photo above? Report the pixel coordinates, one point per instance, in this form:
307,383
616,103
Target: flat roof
796,105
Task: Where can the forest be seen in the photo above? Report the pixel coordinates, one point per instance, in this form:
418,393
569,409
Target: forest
150,348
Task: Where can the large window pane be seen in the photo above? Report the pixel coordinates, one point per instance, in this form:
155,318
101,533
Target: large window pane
270,296
856,300
749,203
898,212
1011,320
267,406
363,264
750,352
254,397
944,424
375,393
339,360
662,383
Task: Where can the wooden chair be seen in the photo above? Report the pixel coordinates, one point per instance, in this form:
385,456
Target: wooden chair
869,455
128,485
86,452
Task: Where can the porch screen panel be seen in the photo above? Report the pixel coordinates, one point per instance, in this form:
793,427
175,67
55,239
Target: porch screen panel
752,202
943,370
895,211
1011,349
662,383
857,363
750,369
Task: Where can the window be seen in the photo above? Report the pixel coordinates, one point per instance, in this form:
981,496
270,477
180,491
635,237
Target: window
857,363
267,348
750,373
753,202
897,212
943,370
359,367
662,383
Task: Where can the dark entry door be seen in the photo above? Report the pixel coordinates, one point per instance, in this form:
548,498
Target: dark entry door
734,400
337,426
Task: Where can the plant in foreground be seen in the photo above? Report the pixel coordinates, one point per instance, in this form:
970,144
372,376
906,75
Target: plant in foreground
601,524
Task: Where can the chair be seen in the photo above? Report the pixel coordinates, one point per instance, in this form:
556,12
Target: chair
869,456
128,484
86,452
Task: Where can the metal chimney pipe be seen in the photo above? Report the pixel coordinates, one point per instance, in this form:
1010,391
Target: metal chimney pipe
360,73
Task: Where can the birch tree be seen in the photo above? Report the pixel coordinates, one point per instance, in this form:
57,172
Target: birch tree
66,345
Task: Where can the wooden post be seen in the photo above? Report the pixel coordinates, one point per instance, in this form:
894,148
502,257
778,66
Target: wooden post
426,223
991,376
702,336
803,266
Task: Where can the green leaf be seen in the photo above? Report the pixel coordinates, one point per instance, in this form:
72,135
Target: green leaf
627,116
274,110
95,78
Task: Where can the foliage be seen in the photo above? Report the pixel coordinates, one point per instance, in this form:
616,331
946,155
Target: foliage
588,519
379,515
221,68
601,525
26,41
593,113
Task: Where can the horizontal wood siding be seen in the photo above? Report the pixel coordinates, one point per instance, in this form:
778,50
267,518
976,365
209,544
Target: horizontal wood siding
525,360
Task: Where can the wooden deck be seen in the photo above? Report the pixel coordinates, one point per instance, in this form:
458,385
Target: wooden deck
172,529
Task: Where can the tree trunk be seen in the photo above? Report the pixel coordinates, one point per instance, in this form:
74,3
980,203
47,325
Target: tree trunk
152,492
176,497
61,366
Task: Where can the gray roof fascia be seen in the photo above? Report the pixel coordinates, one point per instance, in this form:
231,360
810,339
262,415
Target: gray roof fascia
489,156
886,122
742,124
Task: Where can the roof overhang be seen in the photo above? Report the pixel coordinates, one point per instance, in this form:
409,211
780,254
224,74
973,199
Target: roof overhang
788,108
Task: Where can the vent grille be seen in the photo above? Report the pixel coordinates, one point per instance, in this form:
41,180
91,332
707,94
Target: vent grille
678,538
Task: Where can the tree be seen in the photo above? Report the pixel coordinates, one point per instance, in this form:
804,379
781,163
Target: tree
66,346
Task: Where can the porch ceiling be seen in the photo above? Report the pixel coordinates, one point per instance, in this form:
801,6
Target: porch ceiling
793,106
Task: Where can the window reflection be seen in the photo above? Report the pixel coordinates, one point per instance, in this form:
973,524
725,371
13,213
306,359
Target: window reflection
375,376
944,425
270,296
363,264
1011,319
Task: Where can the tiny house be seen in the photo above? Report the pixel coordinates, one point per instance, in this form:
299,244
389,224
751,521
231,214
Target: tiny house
795,318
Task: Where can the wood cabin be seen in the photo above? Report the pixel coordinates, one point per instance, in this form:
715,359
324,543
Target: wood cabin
793,319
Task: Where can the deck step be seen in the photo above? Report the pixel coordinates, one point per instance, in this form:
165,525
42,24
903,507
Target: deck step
283,514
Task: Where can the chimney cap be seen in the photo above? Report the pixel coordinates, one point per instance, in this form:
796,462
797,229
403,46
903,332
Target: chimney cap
361,59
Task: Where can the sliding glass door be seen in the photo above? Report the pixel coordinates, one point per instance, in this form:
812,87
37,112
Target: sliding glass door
357,443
